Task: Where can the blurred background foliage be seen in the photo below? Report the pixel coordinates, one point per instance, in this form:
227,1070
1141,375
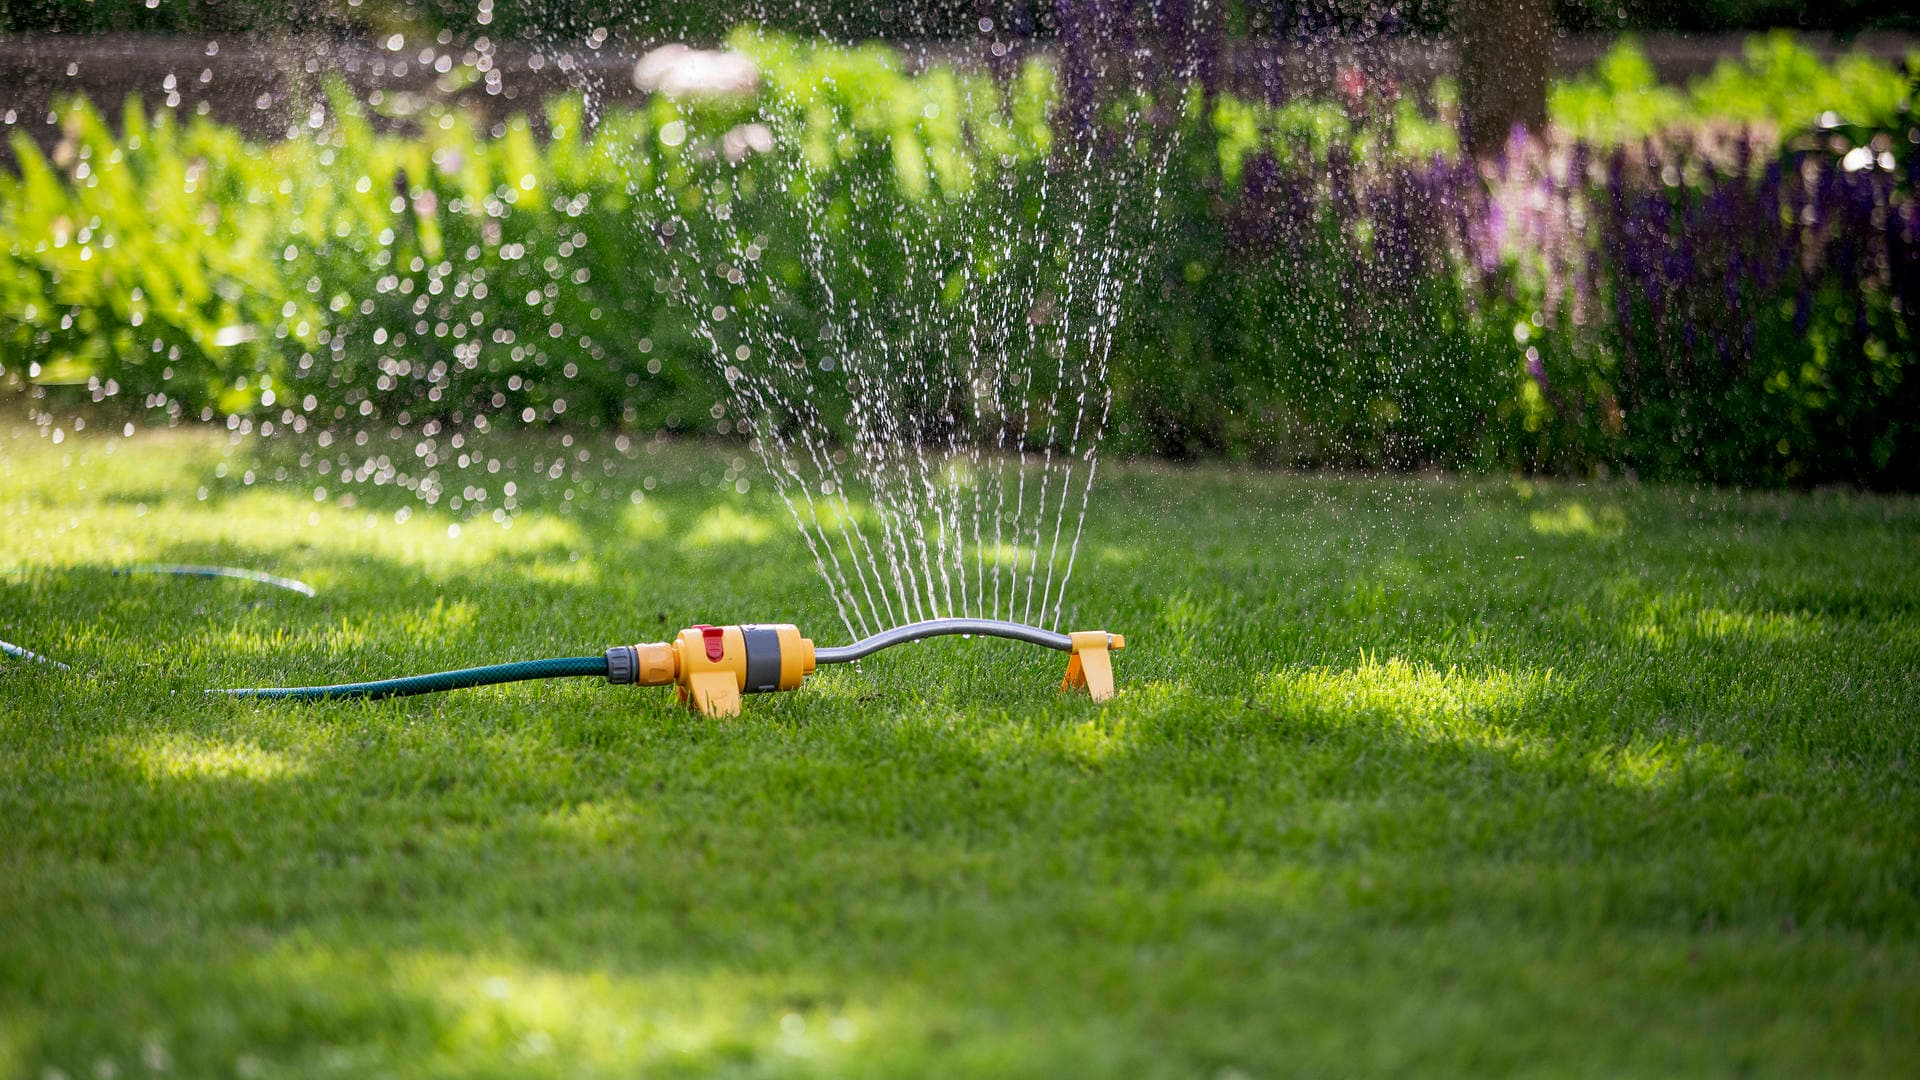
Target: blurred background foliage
1713,281
919,19
1777,85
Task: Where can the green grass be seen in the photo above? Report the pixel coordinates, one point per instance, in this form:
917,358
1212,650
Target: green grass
1406,775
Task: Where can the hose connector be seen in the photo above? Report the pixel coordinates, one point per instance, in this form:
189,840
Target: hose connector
714,665
651,664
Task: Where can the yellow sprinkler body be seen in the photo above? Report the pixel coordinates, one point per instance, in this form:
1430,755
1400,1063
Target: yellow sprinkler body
714,666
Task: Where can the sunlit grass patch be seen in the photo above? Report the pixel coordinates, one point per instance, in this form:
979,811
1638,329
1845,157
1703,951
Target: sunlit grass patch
727,526
1680,622
495,1010
1573,518
183,758
1511,712
1418,699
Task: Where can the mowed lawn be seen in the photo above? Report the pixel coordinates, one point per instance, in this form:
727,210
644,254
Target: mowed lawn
1407,774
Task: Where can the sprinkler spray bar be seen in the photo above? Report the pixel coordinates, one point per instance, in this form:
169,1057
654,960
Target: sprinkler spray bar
713,666
1000,628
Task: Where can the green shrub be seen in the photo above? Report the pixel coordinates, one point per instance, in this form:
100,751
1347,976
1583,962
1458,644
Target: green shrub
450,269
1778,85
1326,285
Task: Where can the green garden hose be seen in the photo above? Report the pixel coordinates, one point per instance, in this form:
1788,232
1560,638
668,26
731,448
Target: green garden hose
417,684
556,668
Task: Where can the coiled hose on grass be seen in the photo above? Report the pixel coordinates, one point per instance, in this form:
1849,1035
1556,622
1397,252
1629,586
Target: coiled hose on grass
195,570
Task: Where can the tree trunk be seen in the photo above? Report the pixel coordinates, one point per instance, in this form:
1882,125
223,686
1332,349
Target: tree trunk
1504,49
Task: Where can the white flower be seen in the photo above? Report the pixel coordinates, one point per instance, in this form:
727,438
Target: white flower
681,72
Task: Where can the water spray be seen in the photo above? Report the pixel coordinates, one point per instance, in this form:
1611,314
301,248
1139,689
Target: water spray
714,666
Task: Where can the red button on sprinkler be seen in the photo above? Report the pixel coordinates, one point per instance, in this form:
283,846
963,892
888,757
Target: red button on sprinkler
715,639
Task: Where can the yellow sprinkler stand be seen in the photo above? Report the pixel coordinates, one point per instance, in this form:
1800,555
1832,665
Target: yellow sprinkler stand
1091,664
713,666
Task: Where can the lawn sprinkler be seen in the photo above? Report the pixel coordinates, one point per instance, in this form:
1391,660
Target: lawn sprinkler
713,666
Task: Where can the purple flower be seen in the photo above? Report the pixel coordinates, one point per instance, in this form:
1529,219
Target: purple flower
1079,49
1538,370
